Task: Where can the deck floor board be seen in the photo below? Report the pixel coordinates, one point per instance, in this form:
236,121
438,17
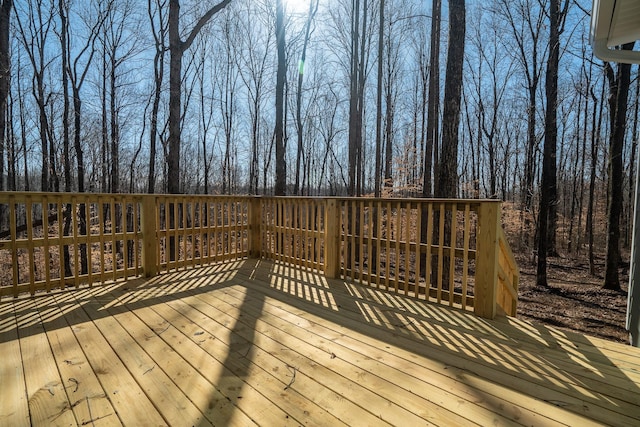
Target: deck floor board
87,398
14,409
255,342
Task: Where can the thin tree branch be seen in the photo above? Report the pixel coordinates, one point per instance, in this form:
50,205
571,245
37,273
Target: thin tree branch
201,22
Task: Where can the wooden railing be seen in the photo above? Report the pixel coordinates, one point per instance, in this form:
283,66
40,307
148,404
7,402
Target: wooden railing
53,240
450,251
198,230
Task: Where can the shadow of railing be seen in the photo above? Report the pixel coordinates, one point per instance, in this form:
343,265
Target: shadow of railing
509,364
562,369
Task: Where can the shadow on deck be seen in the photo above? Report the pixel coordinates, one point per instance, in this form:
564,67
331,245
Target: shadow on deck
255,341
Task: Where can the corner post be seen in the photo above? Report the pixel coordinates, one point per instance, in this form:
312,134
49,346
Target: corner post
149,236
486,285
255,227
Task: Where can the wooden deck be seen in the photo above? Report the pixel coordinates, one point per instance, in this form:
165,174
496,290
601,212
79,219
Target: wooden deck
255,342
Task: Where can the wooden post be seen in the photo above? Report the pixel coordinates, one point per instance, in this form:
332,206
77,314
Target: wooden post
149,236
255,227
332,239
486,285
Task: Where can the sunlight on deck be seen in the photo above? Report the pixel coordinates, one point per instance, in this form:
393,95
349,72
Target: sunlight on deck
256,342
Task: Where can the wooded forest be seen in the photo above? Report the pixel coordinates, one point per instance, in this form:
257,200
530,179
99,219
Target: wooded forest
387,98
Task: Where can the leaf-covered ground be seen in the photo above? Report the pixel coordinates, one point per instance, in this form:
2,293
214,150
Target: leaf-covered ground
574,300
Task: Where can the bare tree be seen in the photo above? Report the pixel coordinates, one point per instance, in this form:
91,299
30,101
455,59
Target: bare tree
619,83
313,9
177,48
357,76
596,126
22,113
206,114
34,35
228,73
159,30
253,63
525,18
378,166
546,221
491,81
447,184
5,77
433,101
281,167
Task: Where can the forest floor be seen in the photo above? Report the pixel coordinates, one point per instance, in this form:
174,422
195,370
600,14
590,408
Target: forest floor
574,299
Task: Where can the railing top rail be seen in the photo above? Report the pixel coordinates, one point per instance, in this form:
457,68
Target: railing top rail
4,194
387,199
505,244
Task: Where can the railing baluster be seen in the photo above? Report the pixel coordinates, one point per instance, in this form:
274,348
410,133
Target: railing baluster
74,233
14,249
30,248
387,254
370,226
61,273
407,245
378,240
452,252
89,241
428,261
465,255
45,236
360,230
441,220
125,235
418,253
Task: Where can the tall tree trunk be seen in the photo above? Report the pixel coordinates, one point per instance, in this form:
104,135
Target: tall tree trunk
550,142
388,134
632,161
281,167
432,127
596,127
159,35
529,170
354,98
65,130
82,214
552,187
618,96
177,47
360,101
447,182
447,178
583,156
23,125
175,86
378,166
313,8
5,76
65,95
12,152
114,120
433,99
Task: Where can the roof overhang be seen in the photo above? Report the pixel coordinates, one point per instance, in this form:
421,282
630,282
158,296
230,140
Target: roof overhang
613,23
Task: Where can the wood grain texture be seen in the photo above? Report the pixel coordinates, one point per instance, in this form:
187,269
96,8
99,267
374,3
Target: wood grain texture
253,342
